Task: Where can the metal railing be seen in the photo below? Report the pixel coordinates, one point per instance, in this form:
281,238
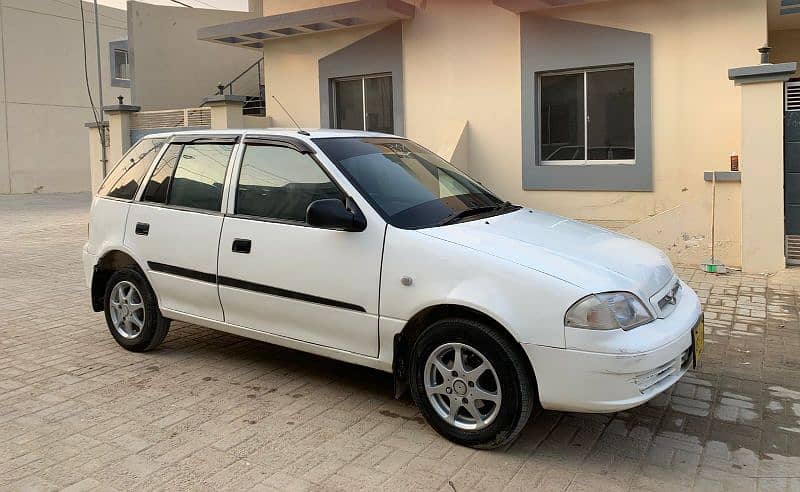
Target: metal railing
249,83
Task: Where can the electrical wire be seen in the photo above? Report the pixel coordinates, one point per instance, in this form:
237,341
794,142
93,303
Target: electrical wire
123,24
207,4
100,129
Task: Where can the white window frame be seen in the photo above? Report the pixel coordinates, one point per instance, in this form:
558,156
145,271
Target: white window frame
584,162
363,79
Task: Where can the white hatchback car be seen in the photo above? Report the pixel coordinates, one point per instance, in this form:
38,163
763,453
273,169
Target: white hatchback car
370,249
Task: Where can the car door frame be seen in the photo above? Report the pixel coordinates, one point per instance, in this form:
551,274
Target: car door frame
184,139
348,191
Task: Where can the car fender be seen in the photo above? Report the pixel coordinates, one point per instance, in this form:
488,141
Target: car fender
420,271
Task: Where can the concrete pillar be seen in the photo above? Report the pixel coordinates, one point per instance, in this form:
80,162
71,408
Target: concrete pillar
119,131
761,164
95,155
226,111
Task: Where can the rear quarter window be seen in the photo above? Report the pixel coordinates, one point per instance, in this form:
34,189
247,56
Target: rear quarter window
123,181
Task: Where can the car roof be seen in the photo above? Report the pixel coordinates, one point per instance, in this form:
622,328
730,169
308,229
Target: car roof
283,132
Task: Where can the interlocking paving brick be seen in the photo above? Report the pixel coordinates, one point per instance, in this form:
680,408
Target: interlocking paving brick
210,410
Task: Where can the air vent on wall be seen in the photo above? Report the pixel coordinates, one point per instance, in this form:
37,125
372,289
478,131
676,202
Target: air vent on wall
793,96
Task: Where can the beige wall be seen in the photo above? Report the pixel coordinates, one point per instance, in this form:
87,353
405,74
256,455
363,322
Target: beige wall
785,46
462,67
274,7
291,67
43,100
696,119
695,107
171,67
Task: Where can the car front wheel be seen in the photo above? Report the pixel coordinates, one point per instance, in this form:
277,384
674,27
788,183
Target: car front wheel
132,313
471,383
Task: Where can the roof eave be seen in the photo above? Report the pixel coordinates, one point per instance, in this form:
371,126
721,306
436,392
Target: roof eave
253,33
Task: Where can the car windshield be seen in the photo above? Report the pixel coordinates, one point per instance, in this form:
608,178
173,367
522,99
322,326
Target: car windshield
409,185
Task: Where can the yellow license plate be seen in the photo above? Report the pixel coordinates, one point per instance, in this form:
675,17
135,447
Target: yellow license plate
698,338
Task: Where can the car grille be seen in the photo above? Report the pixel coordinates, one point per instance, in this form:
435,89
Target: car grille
651,379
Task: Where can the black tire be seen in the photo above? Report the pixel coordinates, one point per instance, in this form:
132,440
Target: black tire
155,326
516,381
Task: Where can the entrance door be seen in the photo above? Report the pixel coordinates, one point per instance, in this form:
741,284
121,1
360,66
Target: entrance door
791,169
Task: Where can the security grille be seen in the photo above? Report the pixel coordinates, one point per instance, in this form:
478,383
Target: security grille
793,250
793,96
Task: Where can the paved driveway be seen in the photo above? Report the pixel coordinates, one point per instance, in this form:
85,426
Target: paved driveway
210,410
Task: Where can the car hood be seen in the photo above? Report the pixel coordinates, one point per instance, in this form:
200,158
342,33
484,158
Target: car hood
582,254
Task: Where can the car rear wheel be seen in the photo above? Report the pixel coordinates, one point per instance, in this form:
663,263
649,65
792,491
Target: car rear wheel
471,383
132,312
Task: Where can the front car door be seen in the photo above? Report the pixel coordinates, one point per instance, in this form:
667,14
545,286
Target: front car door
174,228
279,275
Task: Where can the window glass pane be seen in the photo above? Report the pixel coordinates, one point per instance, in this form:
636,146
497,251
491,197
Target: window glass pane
126,177
610,101
379,104
158,186
121,64
562,117
200,176
349,104
280,183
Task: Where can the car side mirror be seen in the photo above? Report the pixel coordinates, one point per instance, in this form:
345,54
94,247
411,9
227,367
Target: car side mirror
331,213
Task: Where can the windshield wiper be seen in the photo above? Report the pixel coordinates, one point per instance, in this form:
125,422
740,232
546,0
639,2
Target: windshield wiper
466,213
505,206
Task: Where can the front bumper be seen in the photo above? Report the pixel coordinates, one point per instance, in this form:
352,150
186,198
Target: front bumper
581,380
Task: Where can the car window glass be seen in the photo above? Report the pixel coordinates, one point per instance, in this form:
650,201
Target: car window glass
280,183
411,186
125,178
200,176
158,186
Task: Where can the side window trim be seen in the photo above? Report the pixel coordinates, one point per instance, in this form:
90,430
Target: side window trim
233,186
183,140
149,174
145,177
171,176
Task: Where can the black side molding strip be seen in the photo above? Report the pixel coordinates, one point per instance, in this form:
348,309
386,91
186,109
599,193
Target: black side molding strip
251,286
182,272
289,294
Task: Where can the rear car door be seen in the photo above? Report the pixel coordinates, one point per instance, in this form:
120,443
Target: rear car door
279,275
174,228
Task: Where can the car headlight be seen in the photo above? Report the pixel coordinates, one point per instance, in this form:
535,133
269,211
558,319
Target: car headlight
608,311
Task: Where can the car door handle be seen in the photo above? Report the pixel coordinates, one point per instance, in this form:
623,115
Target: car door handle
241,246
142,229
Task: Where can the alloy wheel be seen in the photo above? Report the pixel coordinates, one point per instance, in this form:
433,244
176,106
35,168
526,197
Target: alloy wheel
462,386
127,310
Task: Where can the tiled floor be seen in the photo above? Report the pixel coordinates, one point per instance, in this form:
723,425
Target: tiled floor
213,411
